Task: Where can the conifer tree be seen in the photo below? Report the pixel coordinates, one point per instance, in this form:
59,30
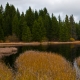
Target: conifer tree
73,28
15,26
21,23
1,34
67,29
36,15
29,17
38,30
26,33
78,30
47,25
60,29
54,29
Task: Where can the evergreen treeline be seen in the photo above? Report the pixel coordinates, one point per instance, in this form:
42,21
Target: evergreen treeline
36,26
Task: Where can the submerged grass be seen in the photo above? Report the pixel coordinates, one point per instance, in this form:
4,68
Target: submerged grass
34,65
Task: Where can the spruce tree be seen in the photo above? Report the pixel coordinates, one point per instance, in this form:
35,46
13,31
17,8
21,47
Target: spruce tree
73,28
60,29
26,33
1,34
67,29
15,26
29,17
38,30
21,22
54,29
78,30
36,15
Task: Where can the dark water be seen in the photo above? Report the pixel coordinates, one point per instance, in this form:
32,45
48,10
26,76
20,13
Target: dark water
70,52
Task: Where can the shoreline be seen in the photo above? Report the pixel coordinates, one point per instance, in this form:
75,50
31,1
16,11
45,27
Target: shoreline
37,43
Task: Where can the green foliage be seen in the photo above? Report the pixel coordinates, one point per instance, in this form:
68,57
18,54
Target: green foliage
64,34
36,15
8,18
1,34
54,28
15,26
29,17
47,25
73,28
78,30
38,30
26,33
39,25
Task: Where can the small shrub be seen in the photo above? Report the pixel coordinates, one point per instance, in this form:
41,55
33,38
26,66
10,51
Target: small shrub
1,41
72,39
12,38
44,39
7,41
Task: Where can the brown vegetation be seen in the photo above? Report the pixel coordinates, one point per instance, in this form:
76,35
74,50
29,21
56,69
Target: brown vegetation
5,73
34,65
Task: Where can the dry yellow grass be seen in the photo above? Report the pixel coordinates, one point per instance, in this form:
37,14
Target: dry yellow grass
5,73
34,65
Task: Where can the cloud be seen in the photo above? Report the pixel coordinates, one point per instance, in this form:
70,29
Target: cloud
56,7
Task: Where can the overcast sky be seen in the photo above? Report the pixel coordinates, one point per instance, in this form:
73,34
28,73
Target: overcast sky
56,7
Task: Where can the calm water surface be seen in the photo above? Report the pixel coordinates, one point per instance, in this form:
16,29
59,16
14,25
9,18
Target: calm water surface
70,52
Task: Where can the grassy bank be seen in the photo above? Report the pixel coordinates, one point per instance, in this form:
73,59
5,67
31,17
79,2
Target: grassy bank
34,65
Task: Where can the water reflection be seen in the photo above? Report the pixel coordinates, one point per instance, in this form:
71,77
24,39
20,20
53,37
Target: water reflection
70,52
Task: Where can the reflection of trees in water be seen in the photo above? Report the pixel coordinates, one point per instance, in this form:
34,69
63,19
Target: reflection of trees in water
37,48
70,52
65,51
73,53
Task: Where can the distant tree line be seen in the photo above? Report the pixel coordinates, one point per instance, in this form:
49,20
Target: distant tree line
36,26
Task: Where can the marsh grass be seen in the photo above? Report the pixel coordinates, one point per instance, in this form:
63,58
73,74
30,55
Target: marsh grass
5,72
34,65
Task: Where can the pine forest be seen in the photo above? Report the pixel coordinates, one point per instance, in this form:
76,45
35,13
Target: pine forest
36,26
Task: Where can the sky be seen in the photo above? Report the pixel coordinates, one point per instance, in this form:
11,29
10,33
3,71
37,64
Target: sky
57,7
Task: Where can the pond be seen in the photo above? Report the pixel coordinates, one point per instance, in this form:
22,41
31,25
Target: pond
69,51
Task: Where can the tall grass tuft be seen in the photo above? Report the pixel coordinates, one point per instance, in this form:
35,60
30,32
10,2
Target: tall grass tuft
5,73
34,65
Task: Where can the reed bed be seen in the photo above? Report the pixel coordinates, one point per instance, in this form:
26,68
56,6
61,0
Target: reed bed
34,65
5,72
